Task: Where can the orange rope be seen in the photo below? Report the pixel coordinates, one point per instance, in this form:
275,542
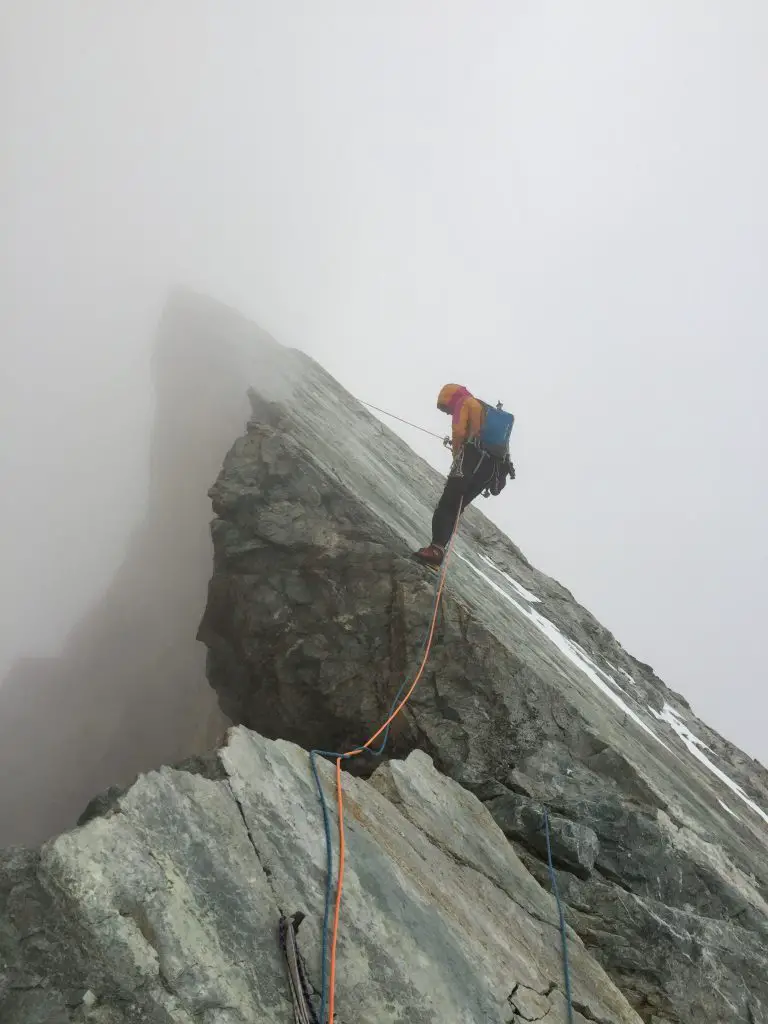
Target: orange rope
339,887
359,750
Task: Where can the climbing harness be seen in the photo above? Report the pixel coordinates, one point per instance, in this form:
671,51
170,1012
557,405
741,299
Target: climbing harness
563,935
500,468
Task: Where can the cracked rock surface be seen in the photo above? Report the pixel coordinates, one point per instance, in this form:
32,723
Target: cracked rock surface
164,906
573,846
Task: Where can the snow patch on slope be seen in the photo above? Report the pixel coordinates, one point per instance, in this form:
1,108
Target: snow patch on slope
628,677
727,808
525,594
571,650
606,684
697,747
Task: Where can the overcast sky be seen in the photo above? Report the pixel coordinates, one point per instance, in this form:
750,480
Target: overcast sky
562,205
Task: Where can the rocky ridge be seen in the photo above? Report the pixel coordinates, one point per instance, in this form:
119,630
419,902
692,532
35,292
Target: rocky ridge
162,906
315,613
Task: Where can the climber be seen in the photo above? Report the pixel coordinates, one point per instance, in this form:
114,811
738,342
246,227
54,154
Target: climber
481,462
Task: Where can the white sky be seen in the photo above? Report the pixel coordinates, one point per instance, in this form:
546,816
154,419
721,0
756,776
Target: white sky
560,205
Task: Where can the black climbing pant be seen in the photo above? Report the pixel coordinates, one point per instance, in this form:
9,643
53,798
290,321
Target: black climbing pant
472,471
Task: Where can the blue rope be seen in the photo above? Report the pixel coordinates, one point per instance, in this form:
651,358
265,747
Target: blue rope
563,937
313,754
329,873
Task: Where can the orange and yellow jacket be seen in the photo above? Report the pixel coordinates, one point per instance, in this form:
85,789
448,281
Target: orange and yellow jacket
466,412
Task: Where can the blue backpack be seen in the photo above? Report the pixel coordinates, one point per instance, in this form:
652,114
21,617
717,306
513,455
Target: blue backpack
495,431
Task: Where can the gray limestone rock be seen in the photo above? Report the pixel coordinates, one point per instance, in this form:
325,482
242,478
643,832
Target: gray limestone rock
165,909
573,846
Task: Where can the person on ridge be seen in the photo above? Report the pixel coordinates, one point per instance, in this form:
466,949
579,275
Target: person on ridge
474,469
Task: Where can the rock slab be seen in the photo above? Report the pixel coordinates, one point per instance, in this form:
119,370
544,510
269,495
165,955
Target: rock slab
164,908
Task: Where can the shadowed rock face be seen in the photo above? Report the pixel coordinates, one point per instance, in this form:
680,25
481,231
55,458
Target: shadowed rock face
315,614
128,691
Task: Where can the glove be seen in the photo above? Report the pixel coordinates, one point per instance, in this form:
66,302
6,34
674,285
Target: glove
511,470
447,443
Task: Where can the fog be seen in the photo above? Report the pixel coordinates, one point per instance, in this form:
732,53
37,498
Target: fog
559,205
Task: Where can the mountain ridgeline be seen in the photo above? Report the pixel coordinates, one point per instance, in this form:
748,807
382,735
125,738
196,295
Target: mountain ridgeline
162,905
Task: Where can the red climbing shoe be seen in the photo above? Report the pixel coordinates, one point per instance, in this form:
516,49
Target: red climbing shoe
431,555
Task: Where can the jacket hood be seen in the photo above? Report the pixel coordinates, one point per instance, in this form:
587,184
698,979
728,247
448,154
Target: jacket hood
451,397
